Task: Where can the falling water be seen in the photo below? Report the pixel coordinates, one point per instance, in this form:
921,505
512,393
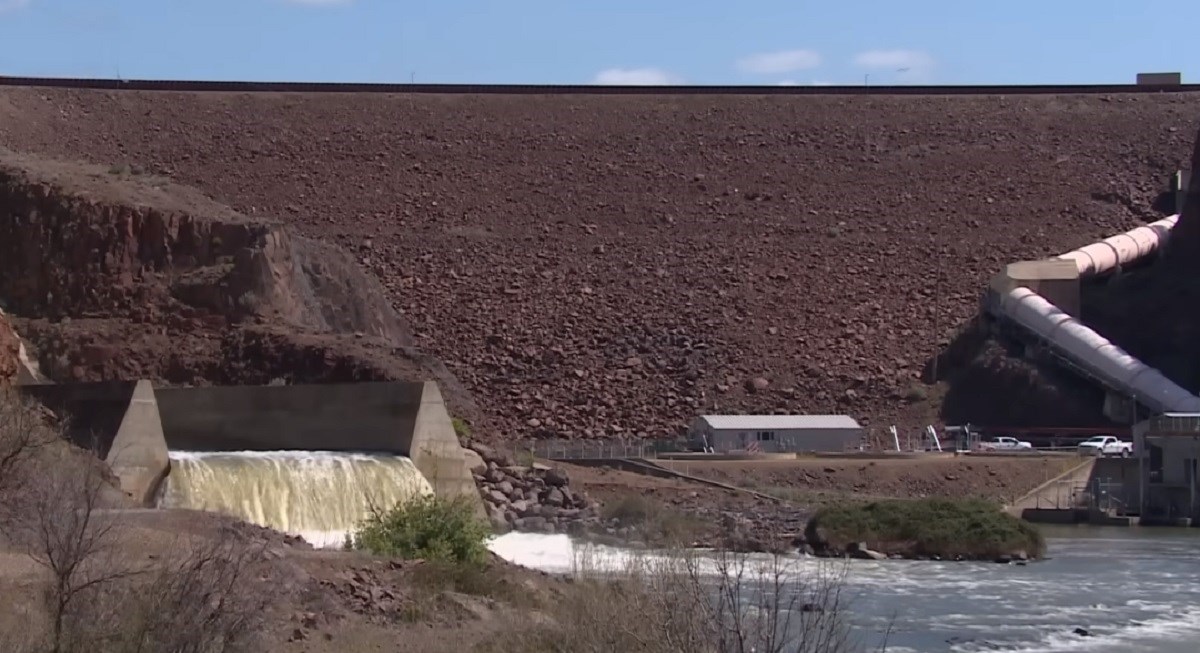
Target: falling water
318,495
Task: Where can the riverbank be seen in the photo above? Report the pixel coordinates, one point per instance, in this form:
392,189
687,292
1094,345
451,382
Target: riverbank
641,509
971,607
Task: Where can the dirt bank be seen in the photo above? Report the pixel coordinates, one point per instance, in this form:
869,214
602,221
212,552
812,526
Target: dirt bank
598,266
9,352
801,487
316,601
821,480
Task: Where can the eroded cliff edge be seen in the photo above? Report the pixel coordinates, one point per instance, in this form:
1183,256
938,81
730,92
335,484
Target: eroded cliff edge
113,275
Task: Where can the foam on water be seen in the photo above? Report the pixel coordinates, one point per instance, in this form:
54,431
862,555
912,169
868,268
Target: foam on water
1131,594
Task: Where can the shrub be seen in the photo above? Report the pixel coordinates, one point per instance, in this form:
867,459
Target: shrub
461,428
700,603
949,528
426,528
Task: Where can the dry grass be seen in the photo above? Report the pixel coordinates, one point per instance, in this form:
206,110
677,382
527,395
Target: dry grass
95,593
692,602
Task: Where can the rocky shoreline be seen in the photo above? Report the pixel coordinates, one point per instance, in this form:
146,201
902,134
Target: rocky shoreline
539,498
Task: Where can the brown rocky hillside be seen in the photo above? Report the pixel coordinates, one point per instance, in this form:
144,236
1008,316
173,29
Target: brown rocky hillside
611,265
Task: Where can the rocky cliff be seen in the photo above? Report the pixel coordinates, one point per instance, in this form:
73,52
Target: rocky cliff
116,275
9,349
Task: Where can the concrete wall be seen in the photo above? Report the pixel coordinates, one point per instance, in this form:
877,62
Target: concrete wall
1160,79
1055,280
133,425
93,410
119,421
792,440
408,419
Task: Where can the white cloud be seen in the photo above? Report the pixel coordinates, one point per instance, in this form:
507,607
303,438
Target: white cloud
908,65
11,5
783,61
636,77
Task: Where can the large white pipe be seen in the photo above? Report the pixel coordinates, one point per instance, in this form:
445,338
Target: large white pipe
1091,351
1095,354
1121,249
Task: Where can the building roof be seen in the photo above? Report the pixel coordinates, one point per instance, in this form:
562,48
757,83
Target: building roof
779,422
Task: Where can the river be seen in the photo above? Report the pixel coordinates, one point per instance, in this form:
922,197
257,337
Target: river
1133,590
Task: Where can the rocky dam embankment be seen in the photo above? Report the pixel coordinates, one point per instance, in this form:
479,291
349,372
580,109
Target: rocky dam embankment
110,276
610,266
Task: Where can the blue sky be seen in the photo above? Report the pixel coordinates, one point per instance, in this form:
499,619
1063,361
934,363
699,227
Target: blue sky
603,41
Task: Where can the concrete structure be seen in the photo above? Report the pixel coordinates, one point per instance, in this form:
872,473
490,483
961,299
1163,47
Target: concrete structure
138,455
776,433
408,419
133,426
1057,280
1160,79
1167,449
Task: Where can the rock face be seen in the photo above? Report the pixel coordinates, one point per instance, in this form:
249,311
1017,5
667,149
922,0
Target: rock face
118,276
9,350
134,244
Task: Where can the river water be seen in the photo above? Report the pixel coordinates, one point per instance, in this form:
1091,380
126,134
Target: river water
1134,590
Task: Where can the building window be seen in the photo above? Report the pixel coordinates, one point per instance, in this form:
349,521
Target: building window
766,436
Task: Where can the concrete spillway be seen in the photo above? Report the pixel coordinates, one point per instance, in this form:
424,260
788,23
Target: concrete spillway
305,459
318,495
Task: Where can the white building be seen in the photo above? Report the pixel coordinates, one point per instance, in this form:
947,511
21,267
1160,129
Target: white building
776,433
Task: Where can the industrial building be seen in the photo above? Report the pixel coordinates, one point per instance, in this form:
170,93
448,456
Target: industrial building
776,433
1168,447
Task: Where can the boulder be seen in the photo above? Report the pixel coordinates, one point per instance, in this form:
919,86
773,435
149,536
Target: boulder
860,551
556,477
555,498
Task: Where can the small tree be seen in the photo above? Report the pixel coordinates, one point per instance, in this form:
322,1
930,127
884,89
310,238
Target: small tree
63,532
23,432
427,528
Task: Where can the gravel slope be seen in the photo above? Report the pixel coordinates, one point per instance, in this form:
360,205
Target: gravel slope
595,266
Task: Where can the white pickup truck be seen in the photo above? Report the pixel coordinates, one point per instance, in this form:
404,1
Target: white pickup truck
1004,443
1105,445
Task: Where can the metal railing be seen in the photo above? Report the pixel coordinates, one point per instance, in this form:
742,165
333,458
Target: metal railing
600,449
1101,494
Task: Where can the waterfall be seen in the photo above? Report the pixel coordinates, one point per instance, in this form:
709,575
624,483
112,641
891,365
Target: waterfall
318,495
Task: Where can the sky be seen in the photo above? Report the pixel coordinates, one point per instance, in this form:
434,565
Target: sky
768,42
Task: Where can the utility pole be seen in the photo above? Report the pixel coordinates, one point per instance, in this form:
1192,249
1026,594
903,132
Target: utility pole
937,291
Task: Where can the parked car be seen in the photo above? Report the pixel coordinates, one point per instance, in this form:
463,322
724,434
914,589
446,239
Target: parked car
1105,445
1005,443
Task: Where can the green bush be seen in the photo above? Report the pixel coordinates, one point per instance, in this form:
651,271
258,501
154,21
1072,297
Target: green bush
461,428
426,528
968,528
